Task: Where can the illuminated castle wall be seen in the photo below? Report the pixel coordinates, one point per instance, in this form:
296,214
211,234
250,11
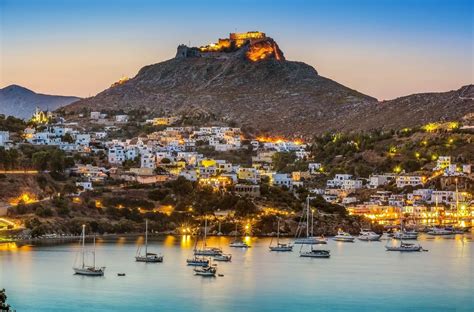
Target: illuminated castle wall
259,45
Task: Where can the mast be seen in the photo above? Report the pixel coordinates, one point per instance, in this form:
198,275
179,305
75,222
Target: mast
278,232
146,237
307,216
457,202
83,243
93,254
205,233
312,222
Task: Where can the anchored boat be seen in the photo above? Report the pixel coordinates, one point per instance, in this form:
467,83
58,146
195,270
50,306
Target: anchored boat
280,246
88,270
344,237
308,239
148,257
368,236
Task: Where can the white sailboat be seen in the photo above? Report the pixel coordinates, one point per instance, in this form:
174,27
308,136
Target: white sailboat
195,260
309,239
280,246
148,257
207,251
88,270
236,243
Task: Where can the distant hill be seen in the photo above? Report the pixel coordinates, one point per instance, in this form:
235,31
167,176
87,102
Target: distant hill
21,102
246,79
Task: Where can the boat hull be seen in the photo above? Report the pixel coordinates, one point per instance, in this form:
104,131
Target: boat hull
239,245
412,249
344,239
89,272
281,249
310,241
314,255
148,259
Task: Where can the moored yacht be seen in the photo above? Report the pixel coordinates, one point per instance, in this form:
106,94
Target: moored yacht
280,246
406,235
315,253
344,237
223,257
308,239
239,244
88,270
209,271
440,231
148,257
197,261
368,236
404,247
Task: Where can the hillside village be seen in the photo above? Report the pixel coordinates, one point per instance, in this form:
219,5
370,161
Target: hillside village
424,175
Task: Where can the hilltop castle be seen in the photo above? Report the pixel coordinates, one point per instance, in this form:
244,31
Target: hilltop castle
259,47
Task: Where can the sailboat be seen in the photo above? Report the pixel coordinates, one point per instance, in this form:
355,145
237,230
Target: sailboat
280,246
87,269
148,256
236,243
195,260
404,247
309,239
206,271
404,234
207,251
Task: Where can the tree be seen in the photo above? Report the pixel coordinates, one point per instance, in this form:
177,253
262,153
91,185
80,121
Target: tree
3,301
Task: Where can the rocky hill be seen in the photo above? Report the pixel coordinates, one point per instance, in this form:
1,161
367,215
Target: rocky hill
21,102
250,82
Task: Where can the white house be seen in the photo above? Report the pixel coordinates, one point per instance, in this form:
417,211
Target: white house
116,154
314,168
409,180
4,137
121,118
338,180
87,185
95,115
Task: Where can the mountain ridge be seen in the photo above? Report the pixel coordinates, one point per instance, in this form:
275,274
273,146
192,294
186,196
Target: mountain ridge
21,102
250,83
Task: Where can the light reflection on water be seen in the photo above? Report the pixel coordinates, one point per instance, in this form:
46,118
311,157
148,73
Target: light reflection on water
359,276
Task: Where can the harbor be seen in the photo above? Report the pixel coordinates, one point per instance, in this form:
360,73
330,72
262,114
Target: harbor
256,279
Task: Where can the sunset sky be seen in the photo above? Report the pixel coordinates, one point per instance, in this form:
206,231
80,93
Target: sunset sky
383,48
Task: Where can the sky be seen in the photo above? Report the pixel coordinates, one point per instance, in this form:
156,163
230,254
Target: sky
383,48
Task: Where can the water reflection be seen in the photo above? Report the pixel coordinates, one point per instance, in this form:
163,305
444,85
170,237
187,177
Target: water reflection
375,279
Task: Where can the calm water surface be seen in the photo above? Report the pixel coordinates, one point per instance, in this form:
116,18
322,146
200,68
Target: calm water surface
359,276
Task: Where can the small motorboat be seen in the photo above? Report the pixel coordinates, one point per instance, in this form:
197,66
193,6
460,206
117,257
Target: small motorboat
239,244
120,274
196,261
368,236
316,253
208,271
344,237
223,257
440,231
